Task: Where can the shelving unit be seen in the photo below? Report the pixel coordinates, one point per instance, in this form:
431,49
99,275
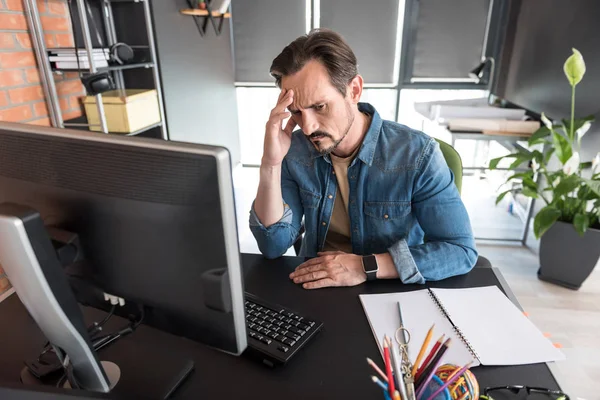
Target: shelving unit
203,17
46,71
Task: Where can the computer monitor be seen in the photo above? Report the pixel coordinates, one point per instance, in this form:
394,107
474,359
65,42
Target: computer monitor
155,221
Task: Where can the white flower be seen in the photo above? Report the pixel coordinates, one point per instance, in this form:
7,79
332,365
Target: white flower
556,181
534,165
583,130
595,163
546,121
572,164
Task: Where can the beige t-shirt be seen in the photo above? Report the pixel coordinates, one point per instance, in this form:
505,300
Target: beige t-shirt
339,234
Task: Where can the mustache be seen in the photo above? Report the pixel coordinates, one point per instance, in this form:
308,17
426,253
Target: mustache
319,134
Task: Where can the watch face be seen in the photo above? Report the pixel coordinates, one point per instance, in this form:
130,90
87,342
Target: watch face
370,265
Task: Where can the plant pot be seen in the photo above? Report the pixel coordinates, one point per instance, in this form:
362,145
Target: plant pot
566,258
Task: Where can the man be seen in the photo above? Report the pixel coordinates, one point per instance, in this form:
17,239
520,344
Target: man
377,197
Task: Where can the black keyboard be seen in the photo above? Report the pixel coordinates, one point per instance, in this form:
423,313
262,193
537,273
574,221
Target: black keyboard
276,332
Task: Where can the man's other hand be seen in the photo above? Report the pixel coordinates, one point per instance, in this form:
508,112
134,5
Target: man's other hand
331,268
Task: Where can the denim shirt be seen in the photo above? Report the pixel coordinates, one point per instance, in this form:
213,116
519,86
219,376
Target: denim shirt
403,200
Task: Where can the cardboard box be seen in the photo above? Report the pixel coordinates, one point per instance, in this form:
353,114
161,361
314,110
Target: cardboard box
126,110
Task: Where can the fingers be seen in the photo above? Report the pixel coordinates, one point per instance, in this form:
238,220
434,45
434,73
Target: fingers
277,118
312,276
309,263
289,127
327,282
283,103
308,269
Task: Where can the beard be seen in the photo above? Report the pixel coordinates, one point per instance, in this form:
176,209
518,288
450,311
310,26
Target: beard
335,142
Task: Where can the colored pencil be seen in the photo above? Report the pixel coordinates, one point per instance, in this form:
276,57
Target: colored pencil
432,353
379,383
397,395
377,369
424,379
388,367
453,377
422,351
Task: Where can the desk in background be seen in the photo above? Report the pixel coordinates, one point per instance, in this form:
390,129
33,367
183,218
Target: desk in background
332,366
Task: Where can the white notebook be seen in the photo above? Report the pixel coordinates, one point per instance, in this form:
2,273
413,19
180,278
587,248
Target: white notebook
485,326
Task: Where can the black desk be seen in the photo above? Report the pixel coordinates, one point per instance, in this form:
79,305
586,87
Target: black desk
333,366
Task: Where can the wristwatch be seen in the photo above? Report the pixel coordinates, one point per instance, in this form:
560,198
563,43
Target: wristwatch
370,267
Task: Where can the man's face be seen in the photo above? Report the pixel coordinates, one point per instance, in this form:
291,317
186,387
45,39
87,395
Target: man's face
323,114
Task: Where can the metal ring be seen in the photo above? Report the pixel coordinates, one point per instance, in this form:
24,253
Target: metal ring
402,329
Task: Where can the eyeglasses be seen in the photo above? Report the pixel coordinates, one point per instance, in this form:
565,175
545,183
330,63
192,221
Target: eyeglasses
533,393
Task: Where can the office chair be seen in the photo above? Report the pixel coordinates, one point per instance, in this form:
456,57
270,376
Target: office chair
455,164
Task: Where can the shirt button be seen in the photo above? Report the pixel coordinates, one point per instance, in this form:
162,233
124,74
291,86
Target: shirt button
323,223
333,172
330,197
386,216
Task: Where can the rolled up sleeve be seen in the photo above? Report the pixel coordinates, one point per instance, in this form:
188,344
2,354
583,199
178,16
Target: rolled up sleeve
273,241
449,248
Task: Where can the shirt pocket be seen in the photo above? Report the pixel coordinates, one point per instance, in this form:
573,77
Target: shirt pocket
386,222
309,199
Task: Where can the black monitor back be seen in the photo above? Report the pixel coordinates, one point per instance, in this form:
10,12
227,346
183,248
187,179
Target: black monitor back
155,220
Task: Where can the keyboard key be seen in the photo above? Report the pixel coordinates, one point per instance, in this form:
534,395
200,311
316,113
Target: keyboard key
276,329
288,321
266,332
260,322
303,327
251,325
283,349
288,326
277,336
289,341
268,326
293,336
279,323
252,334
296,330
296,323
283,332
265,340
259,329
272,320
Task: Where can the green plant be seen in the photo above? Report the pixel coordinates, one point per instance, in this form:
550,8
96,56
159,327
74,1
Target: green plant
569,195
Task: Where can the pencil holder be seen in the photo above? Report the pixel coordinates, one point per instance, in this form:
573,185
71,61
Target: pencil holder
434,384
465,388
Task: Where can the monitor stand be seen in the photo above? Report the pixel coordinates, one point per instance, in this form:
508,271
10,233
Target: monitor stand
112,371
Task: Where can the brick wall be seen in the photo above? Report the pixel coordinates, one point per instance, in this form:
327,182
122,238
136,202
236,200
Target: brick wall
21,96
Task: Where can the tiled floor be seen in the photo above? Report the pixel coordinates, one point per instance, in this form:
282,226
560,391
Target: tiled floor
572,318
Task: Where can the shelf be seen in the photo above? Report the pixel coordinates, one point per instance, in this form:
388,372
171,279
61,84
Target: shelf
82,124
147,128
204,13
110,68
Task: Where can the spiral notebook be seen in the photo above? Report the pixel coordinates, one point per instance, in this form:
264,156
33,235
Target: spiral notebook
485,326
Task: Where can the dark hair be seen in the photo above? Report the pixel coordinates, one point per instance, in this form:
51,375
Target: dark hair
322,45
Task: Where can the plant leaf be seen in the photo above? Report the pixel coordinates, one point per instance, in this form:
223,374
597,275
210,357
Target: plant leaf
501,196
567,185
562,147
581,223
529,192
585,165
494,162
528,182
519,175
574,68
548,155
593,185
544,220
541,133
